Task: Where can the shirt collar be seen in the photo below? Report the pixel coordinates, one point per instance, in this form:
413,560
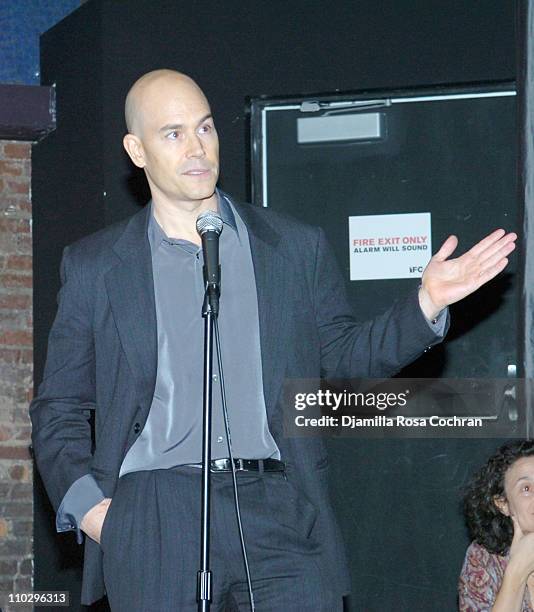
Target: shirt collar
156,235
225,210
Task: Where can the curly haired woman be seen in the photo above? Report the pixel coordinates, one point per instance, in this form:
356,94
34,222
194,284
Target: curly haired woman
498,571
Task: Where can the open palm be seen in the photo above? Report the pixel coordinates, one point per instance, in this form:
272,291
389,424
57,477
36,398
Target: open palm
446,281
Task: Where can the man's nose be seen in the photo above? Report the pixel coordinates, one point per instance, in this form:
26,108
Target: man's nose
195,146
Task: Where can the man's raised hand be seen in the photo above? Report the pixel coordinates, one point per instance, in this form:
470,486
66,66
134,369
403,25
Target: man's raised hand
446,281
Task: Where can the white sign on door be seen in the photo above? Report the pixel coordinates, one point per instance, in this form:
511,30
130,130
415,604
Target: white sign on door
389,246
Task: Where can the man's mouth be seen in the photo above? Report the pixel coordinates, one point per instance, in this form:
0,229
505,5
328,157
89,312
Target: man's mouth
197,172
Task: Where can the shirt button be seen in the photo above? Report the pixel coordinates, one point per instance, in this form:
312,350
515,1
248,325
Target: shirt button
215,377
220,439
137,428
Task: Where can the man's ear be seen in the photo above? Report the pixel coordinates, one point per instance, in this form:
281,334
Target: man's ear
502,504
134,148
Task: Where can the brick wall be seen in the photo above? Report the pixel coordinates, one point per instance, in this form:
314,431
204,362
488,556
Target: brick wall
16,357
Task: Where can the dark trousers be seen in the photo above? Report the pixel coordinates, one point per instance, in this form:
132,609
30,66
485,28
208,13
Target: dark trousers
150,540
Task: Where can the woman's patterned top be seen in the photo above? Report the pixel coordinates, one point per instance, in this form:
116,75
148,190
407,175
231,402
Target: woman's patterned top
480,580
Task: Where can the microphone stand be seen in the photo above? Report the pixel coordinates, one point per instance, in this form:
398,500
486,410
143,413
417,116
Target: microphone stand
210,311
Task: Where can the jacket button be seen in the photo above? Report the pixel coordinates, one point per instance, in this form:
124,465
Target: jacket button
137,428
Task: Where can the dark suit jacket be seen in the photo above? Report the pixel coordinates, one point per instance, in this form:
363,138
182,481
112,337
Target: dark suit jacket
102,355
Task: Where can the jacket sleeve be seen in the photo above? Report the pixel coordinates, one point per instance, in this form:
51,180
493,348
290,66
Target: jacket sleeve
378,348
61,432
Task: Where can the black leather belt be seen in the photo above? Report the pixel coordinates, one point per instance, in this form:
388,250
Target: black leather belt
247,465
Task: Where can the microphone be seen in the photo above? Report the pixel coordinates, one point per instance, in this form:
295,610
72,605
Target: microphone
209,227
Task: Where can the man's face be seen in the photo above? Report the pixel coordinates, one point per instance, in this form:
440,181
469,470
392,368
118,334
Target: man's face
519,491
179,143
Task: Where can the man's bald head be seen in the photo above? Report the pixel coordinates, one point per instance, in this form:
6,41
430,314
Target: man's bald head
148,91
172,136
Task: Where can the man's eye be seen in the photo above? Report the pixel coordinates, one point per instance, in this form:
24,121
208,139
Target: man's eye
526,489
205,129
173,135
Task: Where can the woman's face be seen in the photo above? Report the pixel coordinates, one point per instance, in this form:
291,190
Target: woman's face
519,492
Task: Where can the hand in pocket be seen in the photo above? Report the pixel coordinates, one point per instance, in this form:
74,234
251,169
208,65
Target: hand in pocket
94,519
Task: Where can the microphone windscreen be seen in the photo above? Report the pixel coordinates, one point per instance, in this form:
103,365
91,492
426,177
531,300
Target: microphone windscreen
209,221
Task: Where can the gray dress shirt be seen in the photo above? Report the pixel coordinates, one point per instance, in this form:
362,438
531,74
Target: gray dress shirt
172,434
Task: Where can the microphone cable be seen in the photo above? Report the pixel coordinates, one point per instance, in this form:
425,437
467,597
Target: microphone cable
231,457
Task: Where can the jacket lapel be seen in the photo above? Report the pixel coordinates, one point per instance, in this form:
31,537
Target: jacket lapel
130,287
270,269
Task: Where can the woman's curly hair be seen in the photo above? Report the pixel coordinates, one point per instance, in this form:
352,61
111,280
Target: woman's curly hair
486,524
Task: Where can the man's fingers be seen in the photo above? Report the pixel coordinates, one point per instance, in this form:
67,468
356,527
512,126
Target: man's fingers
492,272
483,250
497,257
487,242
505,246
447,248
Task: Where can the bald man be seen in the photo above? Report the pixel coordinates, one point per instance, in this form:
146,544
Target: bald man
127,342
